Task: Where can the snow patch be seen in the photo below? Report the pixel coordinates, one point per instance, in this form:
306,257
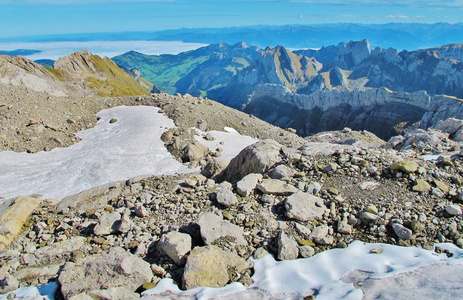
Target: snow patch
324,274
130,147
230,141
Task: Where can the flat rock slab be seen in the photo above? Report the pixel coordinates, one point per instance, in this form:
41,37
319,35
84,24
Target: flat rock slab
214,228
304,207
276,187
115,268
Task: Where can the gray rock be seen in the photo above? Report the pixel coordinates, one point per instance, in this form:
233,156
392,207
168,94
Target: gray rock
303,230
453,210
117,293
402,232
306,251
246,185
256,158
107,224
276,187
260,253
344,227
367,217
8,284
213,228
313,188
112,269
226,197
176,245
287,247
304,207
125,224
212,267
281,172
140,211
320,235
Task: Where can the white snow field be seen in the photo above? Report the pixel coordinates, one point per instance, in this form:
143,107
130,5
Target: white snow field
350,273
130,147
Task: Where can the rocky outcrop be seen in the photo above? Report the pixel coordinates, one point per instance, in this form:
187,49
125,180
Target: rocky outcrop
375,110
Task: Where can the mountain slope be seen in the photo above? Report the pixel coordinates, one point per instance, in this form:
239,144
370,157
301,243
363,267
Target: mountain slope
99,74
191,72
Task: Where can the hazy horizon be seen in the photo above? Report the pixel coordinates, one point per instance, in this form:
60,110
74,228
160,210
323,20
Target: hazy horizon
47,17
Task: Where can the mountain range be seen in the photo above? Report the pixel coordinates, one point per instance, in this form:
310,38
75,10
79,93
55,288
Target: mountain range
244,77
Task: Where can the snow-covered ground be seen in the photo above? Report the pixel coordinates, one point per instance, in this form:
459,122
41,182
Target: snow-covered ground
108,152
351,273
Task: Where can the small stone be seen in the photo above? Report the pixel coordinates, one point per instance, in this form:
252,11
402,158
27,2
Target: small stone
306,251
226,197
402,232
367,217
313,188
442,186
421,186
176,245
405,166
281,172
453,210
376,251
209,137
368,186
112,121
416,227
107,224
246,185
140,211
276,187
320,235
287,247
332,191
344,227
260,253
371,208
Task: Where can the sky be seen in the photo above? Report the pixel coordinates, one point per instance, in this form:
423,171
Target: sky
43,17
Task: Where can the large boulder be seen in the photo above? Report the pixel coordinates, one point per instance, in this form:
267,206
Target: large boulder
304,207
112,269
212,267
256,158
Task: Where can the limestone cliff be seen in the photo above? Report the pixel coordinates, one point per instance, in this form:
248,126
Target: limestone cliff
380,111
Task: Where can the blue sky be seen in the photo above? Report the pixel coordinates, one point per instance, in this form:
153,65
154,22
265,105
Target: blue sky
36,17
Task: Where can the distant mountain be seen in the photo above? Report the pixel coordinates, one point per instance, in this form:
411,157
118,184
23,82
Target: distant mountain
196,72
23,52
409,36
257,80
